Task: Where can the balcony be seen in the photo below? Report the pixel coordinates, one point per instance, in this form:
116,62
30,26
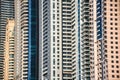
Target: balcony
83,2
85,41
85,38
86,63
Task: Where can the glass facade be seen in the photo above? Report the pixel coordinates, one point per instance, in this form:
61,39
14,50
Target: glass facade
100,31
79,56
99,19
33,40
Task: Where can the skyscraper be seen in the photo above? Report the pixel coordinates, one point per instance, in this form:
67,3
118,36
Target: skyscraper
9,51
86,31
93,40
6,11
106,22
60,40
85,40
27,39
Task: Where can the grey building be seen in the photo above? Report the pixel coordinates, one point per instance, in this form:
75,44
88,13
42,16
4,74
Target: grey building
60,40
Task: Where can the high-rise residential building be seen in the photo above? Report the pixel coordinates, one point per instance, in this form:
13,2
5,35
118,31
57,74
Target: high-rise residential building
6,11
27,39
9,51
93,40
60,40
79,33
105,21
85,40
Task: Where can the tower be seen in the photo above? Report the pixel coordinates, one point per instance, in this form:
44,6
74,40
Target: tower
85,40
6,11
60,40
106,23
9,52
27,39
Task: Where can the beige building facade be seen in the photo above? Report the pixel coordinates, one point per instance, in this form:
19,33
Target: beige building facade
105,60
111,39
9,51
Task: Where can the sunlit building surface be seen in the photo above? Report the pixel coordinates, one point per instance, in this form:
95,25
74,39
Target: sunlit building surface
105,18
60,40
9,51
85,40
6,11
26,39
